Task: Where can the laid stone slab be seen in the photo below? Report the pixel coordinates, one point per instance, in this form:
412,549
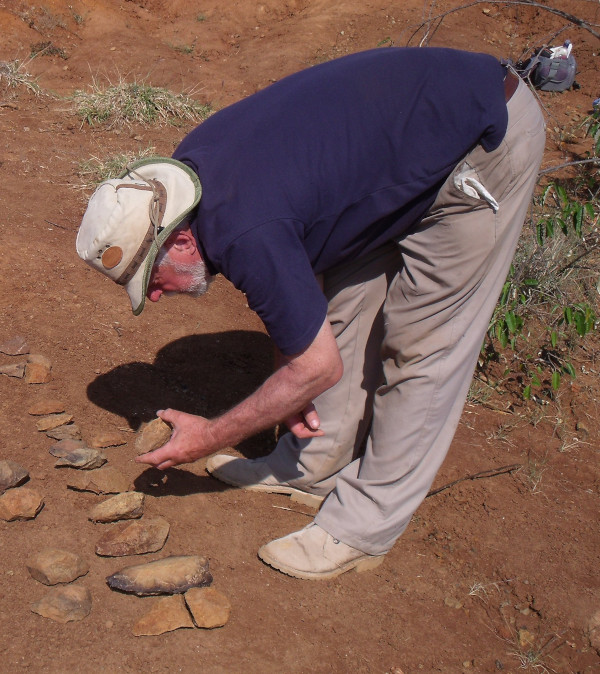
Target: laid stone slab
23,503
84,458
38,369
107,439
12,475
46,406
127,506
152,436
105,480
134,538
53,421
66,432
64,447
15,346
209,607
52,566
171,575
16,370
167,614
64,604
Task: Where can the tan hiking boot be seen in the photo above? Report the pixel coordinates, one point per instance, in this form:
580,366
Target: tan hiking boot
313,554
255,475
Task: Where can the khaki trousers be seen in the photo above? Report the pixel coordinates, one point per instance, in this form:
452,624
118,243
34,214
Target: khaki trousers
409,321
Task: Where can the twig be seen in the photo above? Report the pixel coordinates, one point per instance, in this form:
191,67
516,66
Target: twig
300,512
54,224
477,476
593,160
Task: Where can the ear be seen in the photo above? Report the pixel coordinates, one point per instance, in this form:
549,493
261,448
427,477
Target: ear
182,240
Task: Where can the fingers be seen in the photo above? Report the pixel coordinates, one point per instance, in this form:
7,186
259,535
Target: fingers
311,417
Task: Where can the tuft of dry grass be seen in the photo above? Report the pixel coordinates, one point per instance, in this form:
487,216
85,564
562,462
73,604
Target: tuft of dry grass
96,169
127,103
14,75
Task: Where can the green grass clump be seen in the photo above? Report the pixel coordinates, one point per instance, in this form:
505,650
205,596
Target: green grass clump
96,169
127,103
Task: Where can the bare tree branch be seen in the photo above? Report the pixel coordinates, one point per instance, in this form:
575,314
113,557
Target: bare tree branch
593,160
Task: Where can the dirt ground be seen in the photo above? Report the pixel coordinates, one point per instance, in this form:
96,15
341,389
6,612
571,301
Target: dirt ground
493,574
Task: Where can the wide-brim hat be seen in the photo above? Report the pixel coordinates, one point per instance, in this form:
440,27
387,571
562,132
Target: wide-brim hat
129,218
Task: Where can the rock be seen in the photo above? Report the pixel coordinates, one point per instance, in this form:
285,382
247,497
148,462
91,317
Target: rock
127,506
594,631
134,538
37,369
64,447
152,436
47,406
83,458
106,480
171,575
107,439
11,475
526,639
16,346
23,503
53,566
53,421
453,602
167,614
16,370
66,432
209,607
64,604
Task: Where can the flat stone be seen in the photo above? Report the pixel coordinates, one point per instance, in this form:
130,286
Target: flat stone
127,506
83,458
11,475
46,406
209,607
23,503
105,480
53,421
167,614
64,604
66,432
38,369
107,439
15,346
152,436
171,575
52,566
134,538
64,447
16,370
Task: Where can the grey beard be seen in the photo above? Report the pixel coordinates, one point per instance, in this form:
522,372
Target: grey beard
199,279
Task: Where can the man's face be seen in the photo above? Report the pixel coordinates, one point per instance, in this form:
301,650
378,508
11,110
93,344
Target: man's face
176,273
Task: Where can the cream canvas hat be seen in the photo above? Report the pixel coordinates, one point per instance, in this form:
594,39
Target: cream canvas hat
129,218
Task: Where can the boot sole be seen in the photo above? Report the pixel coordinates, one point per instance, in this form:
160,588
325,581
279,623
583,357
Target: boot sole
359,565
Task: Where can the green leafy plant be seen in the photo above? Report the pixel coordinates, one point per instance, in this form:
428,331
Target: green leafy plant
546,306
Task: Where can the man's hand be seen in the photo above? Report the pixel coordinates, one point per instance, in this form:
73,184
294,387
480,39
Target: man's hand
305,424
191,440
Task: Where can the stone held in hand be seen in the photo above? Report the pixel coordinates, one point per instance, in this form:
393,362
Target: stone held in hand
152,436
52,566
171,575
84,458
16,370
64,604
38,369
15,346
107,439
46,406
12,475
167,614
52,421
134,538
209,607
127,506
105,480
23,503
